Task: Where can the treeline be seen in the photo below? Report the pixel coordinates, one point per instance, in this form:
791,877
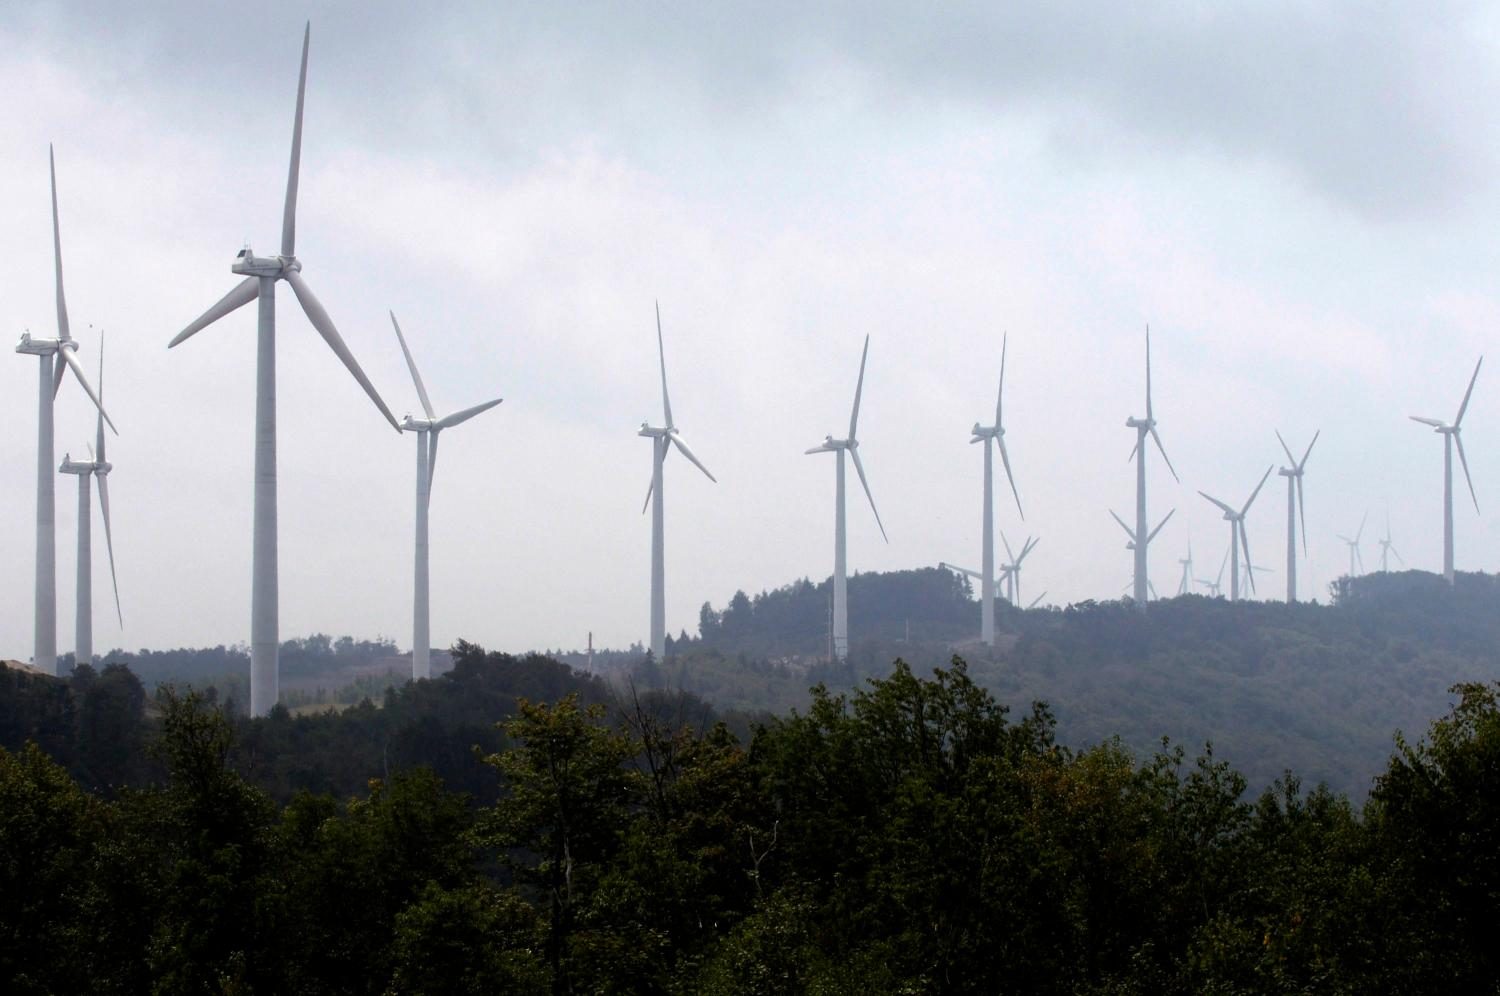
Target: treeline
301,657
910,838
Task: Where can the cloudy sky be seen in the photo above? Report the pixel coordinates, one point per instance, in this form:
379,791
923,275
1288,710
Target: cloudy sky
1297,197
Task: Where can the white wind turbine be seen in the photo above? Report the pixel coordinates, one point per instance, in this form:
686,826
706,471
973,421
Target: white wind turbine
839,447
975,575
1012,570
662,440
987,434
1294,506
1355,557
259,284
1386,549
50,378
1237,538
427,430
1185,586
1216,586
1451,438
98,468
1137,547
1144,427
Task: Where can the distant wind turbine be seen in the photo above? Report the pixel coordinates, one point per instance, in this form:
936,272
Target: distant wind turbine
1387,549
1355,557
1144,427
1185,586
98,468
427,429
987,434
1451,438
1294,505
1237,537
55,356
259,284
1216,586
662,438
972,574
1136,546
839,447
1012,570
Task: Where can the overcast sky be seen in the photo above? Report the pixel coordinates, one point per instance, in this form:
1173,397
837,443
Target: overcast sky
1297,197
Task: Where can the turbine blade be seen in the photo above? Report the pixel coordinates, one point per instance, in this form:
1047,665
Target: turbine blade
860,469
1219,579
1005,459
1128,531
458,418
1245,545
1158,527
1302,510
1362,520
244,292
1134,449
1286,449
822,448
1308,452
1030,545
57,375
1456,419
411,365
1262,484
1435,423
1000,395
661,352
683,446
432,443
1459,442
62,304
1148,374
1398,556
99,416
1156,436
1008,552
859,387
72,361
109,541
1037,599
320,321
1226,508
650,489
289,213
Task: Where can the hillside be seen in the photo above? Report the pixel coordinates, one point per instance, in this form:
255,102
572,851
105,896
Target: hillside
1319,689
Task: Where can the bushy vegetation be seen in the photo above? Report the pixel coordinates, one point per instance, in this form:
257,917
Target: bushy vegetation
910,837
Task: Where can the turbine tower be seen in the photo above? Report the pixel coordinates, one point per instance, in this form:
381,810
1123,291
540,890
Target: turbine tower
662,441
98,468
1355,557
1137,546
987,434
259,284
1386,549
1451,438
55,357
1144,427
1237,538
427,430
839,447
1294,505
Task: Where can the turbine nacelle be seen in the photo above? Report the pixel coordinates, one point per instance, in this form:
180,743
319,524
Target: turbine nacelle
654,431
831,445
409,424
37,347
247,264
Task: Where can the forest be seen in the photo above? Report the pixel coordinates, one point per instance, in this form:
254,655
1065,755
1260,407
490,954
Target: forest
516,827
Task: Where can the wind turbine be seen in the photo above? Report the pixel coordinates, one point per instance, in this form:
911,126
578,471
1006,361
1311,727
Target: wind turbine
840,447
1237,538
944,565
662,441
98,468
1451,437
1354,555
1185,586
1144,427
1294,505
259,284
1216,586
1012,570
1386,549
427,430
986,434
49,380
1137,546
